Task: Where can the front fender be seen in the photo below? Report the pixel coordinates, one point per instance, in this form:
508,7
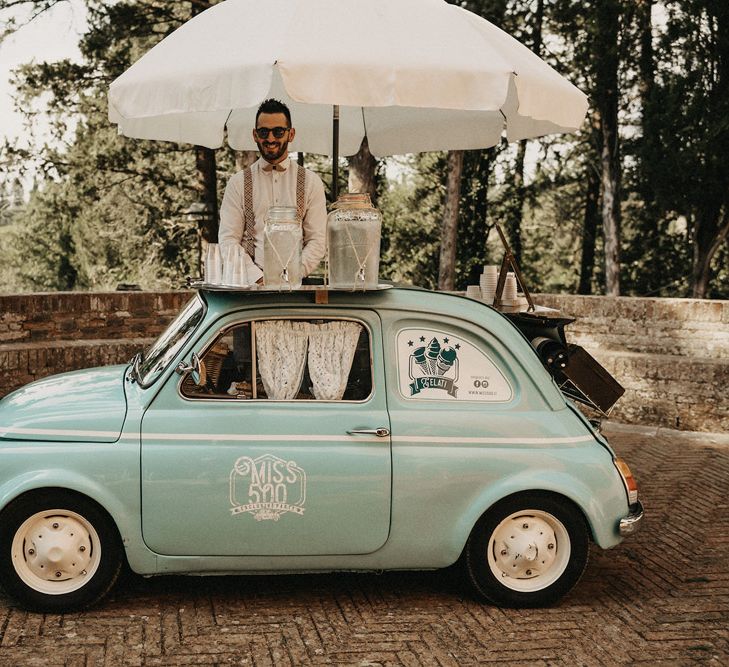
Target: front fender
121,512
108,475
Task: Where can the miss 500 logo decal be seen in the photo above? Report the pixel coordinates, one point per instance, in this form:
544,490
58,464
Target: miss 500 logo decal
267,487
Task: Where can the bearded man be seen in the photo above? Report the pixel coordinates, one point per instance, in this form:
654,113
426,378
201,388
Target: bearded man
273,180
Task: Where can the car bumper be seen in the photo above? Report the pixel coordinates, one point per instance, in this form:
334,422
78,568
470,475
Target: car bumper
631,523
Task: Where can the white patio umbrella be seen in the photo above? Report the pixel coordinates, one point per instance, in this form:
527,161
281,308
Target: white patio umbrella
413,75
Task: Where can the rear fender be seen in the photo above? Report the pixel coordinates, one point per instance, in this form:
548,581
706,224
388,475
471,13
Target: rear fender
601,514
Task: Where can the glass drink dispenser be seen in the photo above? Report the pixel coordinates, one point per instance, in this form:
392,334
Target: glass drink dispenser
282,243
353,240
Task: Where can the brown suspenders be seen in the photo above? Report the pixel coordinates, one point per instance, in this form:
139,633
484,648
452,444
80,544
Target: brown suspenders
300,191
249,218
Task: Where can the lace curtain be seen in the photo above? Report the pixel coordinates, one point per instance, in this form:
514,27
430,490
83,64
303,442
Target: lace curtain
281,347
331,351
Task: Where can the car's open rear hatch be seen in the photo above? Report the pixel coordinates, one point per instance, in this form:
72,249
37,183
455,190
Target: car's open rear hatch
577,373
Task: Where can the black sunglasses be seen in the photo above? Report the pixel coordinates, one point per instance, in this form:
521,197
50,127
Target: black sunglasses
278,132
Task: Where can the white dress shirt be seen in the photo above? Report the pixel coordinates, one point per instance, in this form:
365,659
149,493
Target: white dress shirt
274,188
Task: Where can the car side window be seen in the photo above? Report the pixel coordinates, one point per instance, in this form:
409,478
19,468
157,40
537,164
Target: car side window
226,367
284,360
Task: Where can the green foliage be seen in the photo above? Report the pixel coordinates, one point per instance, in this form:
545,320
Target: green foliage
690,113
411,209
108,209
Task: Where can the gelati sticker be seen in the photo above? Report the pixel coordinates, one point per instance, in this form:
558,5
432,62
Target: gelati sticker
435,365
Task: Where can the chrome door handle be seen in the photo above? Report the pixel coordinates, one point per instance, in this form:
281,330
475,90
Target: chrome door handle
381,432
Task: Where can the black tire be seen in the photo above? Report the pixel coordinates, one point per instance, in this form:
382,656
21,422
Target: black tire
82,552
528,550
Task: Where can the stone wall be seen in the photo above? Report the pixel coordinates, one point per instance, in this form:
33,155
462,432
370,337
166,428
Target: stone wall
671,355
46,333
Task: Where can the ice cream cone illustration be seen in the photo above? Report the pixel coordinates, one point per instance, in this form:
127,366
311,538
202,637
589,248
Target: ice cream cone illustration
446,357
433,350
420,360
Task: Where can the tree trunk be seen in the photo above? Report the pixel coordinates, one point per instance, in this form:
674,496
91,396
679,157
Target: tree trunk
67,272
610,214
705,247
592,214
650,151
516,209
449,229
589,231
712,219
206,185
362,172
472,251
646,66
606,97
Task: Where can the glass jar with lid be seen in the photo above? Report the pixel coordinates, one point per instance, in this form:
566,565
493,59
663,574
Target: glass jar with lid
354,228
282,243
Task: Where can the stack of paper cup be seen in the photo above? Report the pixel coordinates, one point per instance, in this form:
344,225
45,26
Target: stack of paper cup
234,266
488,281
473,292
509,296
213,264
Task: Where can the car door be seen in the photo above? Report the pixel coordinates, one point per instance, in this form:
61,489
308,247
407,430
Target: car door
226,472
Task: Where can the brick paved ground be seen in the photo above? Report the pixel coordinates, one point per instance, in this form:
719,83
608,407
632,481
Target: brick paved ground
662,596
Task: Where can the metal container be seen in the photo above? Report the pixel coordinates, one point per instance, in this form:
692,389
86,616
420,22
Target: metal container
353,239
282,244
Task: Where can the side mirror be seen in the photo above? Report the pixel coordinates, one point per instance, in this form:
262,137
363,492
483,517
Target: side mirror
196,369
135,363
199,374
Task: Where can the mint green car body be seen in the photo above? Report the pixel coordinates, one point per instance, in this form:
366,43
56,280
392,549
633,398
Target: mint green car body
164,467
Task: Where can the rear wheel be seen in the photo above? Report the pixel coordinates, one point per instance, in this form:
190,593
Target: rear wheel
59,551
529,550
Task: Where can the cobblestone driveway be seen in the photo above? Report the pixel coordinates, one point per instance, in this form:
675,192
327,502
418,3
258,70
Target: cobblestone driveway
661,596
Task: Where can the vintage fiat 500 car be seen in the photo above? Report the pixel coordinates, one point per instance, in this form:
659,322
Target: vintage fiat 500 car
266,432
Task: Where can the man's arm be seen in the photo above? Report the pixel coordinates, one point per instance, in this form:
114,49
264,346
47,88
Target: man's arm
231,213
314,226
232,222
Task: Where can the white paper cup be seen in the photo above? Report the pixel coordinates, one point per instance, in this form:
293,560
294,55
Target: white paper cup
491,271
473,292
510,289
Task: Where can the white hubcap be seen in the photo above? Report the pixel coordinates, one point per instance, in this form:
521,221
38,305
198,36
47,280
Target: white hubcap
56,551
529,550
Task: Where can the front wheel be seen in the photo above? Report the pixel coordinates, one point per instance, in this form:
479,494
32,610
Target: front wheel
529,550
59,551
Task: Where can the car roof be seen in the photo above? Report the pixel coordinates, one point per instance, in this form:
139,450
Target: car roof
387,296
404,299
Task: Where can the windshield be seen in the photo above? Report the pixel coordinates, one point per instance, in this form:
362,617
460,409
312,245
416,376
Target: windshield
164,349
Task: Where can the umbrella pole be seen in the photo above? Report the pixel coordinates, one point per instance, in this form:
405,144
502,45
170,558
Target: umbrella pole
335,152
